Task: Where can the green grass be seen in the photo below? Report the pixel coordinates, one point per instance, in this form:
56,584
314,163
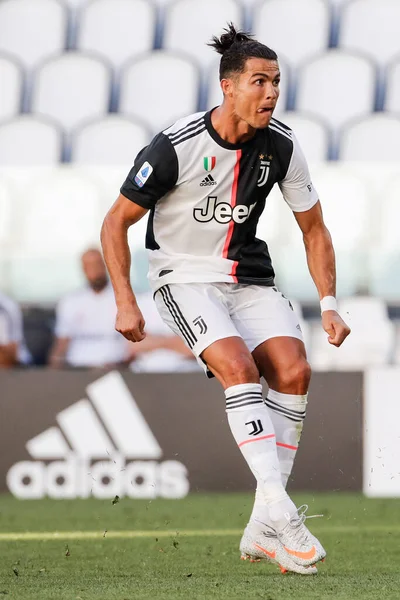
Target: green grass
189,549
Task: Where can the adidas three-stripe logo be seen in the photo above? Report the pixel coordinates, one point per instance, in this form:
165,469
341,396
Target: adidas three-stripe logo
293,415
209,180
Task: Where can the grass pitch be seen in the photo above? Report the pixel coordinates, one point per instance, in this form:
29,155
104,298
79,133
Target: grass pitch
134,550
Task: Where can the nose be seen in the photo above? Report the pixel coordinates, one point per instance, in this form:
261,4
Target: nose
272,92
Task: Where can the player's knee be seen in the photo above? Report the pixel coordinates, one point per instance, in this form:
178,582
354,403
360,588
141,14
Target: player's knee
241,370
296,376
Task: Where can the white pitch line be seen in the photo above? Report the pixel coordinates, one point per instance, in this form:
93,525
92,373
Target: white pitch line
98,535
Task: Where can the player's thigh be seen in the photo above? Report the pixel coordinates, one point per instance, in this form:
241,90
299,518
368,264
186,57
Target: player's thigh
270,327
199,314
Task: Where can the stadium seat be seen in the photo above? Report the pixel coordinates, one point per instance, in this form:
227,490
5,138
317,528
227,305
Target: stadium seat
189,25
30,141
11,87
372,28
385,252
6,204
311,132
345,194
392,101
32,30
295,29
159,88
337,86
383,129
105,27
113,140
72,88
371,342
61,219
215,95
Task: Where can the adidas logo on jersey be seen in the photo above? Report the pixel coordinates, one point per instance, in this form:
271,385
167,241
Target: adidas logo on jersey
90,452
209,180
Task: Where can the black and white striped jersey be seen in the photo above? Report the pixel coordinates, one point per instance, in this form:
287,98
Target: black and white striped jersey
205,196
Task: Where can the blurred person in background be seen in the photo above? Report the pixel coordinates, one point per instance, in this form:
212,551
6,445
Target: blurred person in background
13,351
85,322
213,280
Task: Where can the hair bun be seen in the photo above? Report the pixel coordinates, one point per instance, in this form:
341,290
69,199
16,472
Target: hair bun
223,43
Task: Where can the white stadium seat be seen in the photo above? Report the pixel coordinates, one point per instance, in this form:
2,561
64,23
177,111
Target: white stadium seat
392,101
311,132
215,95
6,204
72,88
60,216
159,88
32,30
371,342
29,141
337,86
385,253
382,128
371,27
295,29
114,140
11,87
189,25
105,27
341,195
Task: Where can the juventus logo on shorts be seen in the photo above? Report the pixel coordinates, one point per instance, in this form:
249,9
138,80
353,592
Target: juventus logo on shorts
264,172
256,427
201,323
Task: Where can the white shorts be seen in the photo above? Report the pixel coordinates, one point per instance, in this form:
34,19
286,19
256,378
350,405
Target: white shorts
202,313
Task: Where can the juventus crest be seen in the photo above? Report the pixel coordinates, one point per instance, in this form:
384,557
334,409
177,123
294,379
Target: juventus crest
264,172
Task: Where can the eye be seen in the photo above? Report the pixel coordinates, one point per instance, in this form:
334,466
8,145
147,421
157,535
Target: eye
276,82
259,81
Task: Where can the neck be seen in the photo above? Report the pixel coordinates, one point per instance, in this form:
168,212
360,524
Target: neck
230,127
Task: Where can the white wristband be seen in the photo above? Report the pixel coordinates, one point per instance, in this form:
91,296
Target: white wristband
328,303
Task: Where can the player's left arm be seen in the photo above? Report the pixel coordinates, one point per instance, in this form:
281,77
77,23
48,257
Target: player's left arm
300,194
321,264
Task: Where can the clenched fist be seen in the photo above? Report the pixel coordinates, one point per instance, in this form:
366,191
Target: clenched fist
130,322
334,325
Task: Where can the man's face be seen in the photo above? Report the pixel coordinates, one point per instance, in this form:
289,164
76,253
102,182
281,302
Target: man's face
255,92
95,270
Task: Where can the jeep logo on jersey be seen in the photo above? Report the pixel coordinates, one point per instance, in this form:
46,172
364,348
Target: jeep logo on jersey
110,429
264,172
222,212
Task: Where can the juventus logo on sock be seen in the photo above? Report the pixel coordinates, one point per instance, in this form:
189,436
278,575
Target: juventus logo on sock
256,427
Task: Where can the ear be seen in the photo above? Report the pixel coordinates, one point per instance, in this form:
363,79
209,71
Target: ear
227,86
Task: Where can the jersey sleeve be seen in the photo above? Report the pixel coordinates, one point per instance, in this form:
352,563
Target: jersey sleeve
154,173
296,187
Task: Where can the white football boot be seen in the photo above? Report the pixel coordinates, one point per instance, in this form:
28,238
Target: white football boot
298,542
260,542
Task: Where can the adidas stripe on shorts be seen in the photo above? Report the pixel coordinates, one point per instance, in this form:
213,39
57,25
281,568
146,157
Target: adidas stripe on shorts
202,313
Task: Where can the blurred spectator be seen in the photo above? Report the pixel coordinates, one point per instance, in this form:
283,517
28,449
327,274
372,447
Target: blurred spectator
85,321
161,351
13,351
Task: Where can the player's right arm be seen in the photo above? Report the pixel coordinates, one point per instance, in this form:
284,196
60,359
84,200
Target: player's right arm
153,175
114,240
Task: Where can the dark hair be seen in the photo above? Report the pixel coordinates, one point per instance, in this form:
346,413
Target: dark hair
236,47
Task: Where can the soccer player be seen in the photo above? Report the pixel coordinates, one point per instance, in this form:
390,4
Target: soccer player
204,180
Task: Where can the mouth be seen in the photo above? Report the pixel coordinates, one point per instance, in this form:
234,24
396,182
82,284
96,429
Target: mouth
266,110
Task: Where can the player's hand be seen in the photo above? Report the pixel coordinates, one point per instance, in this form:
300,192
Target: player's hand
130,322
335,327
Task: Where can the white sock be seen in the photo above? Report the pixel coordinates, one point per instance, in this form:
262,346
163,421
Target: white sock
254,433
287,413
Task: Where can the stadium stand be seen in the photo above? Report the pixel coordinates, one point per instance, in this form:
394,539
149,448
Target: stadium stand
392,100
186,30
360,22
72,88
31,30
383,129
311,132
295,39
105,27
30,141
113,140
167,88
11,87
